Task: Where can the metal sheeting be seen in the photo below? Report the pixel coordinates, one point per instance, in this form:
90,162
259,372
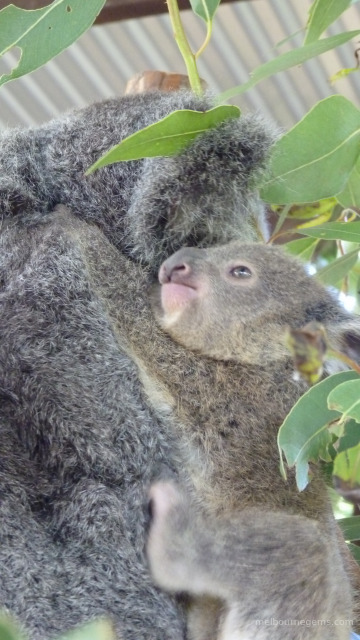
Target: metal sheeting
245,35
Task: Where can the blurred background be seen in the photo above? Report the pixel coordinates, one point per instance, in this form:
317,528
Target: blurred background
246,34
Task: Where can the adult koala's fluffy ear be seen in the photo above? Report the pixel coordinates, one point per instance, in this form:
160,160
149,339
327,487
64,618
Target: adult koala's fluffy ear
205,195
146,208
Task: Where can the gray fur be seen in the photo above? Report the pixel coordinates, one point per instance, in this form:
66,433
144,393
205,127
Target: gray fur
80,442
146,208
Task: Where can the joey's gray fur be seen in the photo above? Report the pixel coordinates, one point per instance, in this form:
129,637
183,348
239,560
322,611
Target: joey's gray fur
245,536
80,442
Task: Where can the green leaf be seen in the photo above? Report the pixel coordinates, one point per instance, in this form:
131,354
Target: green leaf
288,60
314,210
355,550
327,144
52,28
343,73
350,438
321,15
350,196
303,248
348,231
166,137
350,527
347,469
7,629
345,398
205,9
98,630
335,271
304,434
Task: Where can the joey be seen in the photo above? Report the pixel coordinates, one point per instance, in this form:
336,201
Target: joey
263,549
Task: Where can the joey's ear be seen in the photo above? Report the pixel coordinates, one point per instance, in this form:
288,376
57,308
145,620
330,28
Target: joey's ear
345,337
351,341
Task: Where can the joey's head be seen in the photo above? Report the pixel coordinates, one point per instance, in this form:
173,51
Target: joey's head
236,301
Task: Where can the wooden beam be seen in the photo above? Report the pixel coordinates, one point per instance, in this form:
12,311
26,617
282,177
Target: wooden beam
125,9
114,9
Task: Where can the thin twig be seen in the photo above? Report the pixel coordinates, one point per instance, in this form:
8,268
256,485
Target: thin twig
184,47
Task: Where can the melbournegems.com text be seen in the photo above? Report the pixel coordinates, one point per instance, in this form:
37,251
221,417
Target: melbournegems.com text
274,622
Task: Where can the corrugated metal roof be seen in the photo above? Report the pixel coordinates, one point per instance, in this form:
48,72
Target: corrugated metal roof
245,35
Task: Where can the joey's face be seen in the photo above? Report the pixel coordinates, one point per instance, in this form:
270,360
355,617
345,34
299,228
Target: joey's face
232,301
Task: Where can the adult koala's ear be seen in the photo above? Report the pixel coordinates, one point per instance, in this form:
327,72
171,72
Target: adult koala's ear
205,195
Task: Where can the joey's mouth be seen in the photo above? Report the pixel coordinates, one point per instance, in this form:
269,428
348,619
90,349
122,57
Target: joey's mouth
174,296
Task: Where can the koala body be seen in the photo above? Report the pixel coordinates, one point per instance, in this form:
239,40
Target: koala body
80,441
240,533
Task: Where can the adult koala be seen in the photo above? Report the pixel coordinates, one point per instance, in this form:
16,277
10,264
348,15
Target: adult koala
79,441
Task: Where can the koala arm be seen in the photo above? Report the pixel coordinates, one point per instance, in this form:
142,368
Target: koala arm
260,565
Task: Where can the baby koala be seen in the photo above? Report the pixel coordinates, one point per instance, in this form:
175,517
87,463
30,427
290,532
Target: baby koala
256,556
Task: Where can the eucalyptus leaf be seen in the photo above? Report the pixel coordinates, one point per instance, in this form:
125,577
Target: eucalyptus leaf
343,73
314,210
350,438
302,248
288,60
327,143
52,28
350,527
347,469
353,548
321,15
205,9
97,630
345,398
335,271
7,629
304,434
167,136
347,231
350,196
283,214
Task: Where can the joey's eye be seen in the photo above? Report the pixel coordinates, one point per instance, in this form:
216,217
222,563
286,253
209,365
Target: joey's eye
241,272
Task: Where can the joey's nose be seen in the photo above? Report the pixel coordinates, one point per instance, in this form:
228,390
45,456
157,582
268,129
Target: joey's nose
173,271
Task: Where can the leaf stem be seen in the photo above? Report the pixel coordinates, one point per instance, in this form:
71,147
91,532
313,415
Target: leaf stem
207,38
281,220
184,47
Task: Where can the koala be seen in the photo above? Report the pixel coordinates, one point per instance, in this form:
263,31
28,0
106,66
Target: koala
264,550
80,441
224,384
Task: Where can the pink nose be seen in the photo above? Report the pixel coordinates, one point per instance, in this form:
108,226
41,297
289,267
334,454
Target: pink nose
171,272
